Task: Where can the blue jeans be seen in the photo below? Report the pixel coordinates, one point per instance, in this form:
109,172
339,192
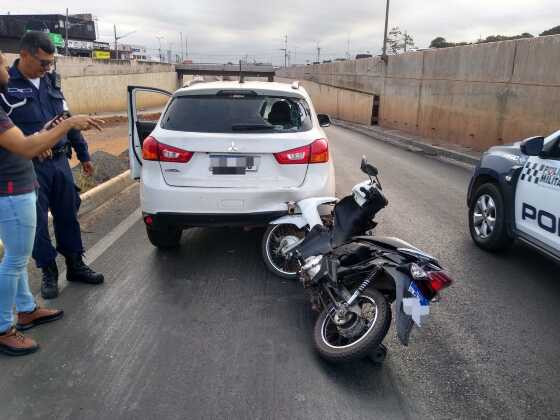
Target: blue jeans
18,220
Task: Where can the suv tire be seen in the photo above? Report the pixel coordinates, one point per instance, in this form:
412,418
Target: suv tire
165,238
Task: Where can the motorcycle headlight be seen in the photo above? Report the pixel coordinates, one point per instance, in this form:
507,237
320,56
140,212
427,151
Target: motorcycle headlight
417,272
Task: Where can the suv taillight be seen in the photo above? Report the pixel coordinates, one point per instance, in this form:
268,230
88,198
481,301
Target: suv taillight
156,151
316,152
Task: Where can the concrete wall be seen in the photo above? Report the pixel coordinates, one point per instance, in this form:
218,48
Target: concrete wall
95,86
475,96
107,93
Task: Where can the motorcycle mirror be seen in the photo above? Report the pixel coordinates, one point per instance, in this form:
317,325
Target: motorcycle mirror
368,169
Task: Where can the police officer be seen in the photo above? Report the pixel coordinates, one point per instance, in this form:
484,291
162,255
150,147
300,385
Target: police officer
32,98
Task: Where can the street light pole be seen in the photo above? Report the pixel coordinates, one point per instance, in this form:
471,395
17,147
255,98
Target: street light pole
66,34
159,38
384,55
116,49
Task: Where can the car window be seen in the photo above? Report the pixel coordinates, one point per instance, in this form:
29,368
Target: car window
237,113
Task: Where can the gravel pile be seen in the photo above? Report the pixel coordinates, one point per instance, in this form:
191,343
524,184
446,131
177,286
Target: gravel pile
106,166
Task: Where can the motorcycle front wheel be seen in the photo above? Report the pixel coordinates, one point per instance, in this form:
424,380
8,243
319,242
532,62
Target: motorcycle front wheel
359,335
275,239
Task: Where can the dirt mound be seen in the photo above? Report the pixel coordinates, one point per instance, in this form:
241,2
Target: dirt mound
106,166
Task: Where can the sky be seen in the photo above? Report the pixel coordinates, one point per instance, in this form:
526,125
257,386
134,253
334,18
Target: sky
229,30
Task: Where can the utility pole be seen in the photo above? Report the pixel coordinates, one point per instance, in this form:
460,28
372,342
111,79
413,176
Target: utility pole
187,47
285,49
116,48
181,44
159,38
66,34
348,48
318,53
384,55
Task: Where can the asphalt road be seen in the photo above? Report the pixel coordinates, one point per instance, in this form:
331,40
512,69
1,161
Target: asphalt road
206,332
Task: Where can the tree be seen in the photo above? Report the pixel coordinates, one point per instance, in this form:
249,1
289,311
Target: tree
394,40
440,42
408,42
551,31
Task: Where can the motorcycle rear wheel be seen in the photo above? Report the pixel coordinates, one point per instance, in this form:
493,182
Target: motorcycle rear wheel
275,238
335,347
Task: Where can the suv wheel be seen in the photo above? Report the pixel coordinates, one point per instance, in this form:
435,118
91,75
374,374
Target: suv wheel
165,238
487,218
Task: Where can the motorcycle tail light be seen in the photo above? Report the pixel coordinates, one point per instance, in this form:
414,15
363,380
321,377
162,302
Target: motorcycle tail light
439,280
433,283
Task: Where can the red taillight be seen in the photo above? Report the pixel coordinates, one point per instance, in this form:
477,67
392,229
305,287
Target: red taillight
150,149
154,150
436,281
319,151
148,220
316,152
293,156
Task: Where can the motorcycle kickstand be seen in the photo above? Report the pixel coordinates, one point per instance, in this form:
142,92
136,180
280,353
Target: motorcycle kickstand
378,355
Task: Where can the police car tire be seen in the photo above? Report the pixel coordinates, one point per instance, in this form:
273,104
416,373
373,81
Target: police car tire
164,239
499,238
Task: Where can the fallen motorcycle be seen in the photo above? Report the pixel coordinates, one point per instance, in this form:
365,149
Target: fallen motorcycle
353,278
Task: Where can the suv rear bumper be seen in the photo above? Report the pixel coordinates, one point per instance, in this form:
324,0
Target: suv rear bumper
161,221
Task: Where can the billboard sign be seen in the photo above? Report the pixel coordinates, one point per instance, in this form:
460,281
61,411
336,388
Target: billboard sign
101,55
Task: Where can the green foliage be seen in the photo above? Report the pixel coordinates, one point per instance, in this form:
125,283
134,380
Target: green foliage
397,41
440,42
551,31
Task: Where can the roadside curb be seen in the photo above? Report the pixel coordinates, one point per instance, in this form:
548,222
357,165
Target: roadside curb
409,144
98,195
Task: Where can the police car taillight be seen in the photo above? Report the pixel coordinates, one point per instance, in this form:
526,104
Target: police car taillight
156,151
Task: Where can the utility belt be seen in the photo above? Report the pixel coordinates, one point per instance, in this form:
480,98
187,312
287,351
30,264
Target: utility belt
65,150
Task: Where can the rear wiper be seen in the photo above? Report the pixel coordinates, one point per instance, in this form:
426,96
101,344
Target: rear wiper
248,127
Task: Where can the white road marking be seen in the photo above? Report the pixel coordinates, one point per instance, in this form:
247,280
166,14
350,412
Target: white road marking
99,248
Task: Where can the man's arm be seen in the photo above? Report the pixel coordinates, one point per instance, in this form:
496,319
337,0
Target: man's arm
79,144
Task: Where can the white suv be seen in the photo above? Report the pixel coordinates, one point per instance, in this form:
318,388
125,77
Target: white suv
227,153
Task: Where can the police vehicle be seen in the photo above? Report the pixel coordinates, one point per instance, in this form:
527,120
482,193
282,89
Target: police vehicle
515,194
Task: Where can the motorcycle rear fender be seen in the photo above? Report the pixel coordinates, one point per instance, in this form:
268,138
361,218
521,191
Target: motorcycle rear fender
309,215
293,219
403,322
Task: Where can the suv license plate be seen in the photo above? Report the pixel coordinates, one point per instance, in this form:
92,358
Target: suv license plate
232,165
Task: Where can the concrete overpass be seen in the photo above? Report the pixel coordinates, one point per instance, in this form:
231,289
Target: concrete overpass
248,70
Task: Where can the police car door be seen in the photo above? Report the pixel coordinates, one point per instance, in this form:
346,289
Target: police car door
537,208
141,125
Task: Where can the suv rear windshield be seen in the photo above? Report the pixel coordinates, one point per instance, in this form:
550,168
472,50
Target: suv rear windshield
233,112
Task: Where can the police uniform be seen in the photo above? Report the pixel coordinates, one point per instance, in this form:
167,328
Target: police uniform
30,108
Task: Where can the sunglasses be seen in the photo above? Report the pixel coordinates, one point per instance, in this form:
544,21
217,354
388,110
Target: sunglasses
44,63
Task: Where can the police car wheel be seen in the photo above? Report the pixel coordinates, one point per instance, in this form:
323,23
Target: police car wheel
164,239
487,219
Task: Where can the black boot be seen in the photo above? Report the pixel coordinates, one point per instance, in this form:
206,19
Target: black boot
49,283
77,270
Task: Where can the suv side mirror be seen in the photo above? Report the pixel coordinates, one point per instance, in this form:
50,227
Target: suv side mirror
532,146
324,120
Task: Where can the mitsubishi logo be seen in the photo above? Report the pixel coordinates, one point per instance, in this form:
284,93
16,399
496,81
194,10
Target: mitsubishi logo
233,147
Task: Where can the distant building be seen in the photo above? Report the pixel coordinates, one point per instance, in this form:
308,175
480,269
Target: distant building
139,53
81,32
